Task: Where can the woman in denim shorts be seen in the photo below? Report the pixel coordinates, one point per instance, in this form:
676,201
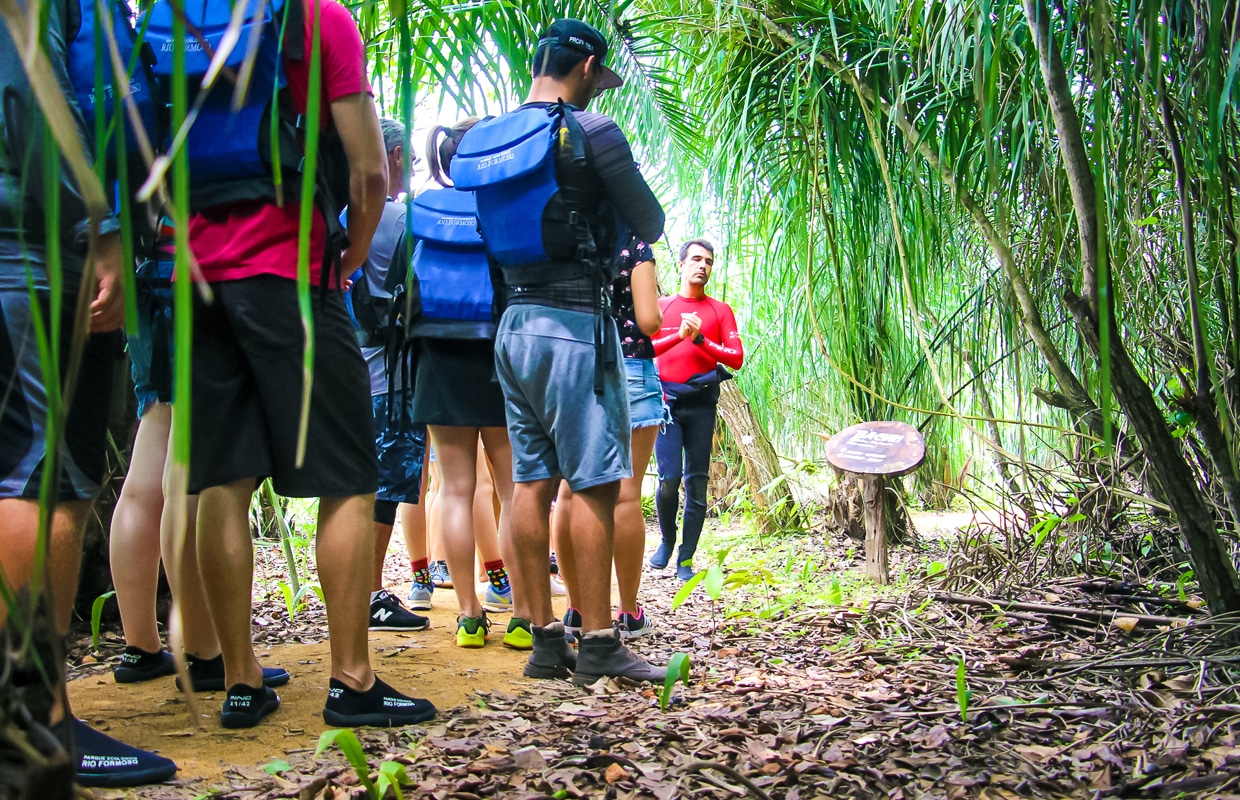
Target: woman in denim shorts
635,307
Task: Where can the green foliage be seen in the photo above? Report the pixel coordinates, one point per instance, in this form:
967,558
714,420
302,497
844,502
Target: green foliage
96,614
347,741
391,776
295,601
277,766
677,670
648,509
963,695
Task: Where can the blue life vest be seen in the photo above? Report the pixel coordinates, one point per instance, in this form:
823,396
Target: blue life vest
88,52
511,163
452,275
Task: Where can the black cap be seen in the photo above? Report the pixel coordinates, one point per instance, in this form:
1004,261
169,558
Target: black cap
582,38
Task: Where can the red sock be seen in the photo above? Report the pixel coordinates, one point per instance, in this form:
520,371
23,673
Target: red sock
421,563
493,566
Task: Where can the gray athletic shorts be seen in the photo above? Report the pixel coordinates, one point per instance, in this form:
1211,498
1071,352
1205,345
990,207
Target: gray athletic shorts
544,358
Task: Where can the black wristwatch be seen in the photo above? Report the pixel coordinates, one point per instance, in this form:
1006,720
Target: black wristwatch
699,338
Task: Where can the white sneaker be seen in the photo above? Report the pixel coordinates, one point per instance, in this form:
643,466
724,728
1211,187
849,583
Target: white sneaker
557,586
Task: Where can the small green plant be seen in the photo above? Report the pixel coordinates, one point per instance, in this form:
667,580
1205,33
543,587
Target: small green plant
347,741
295,600
835,596
648,510
96,617
1182,582
277,766
962,689
677,670
391,776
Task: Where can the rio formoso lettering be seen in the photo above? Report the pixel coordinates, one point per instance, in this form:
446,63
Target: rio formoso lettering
496,158
191,46
461,221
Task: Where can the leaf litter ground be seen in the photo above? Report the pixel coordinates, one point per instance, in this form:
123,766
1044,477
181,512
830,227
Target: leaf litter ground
805,684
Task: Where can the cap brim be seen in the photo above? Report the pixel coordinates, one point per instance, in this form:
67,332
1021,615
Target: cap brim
610,79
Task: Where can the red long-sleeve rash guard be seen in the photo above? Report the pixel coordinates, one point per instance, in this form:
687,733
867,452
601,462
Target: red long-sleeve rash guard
681,359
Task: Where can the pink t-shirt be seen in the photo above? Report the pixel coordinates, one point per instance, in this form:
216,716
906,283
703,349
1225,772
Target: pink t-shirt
241,240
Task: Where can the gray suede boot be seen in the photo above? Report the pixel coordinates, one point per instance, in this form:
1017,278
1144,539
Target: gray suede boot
553,656
601,654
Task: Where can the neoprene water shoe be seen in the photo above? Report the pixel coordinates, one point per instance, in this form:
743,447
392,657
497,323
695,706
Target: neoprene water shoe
379,706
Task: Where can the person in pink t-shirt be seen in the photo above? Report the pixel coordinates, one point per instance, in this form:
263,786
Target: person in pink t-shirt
247,394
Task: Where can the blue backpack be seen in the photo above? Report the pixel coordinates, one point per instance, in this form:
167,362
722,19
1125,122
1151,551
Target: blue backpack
511,163
93,79
255,151
451,282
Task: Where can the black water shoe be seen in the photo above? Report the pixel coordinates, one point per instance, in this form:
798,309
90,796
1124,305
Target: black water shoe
380,706
138,665
245,706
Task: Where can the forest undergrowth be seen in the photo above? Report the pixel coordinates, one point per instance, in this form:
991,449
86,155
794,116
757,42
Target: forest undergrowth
808,682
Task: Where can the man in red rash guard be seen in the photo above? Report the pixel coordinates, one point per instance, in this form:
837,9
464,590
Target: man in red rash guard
698,336
247,389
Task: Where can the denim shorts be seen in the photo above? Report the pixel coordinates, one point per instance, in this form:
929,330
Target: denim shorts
401,447
558,426
150,351
646,406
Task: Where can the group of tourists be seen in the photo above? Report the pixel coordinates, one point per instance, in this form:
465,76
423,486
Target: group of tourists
508,325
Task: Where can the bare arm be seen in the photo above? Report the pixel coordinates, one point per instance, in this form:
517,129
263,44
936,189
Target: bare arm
645,290
358,125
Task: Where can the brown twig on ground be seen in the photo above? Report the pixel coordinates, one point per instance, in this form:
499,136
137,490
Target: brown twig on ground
1039,608
698,766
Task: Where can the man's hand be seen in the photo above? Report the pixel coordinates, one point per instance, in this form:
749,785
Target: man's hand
690,324
107,310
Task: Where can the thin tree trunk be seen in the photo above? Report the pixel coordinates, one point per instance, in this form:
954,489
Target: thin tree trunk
773,497
1203,403
1211,562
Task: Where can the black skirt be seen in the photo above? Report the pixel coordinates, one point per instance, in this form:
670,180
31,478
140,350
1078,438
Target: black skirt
456,384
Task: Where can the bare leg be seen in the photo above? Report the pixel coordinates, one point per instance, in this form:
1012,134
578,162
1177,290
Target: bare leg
226,563
188,595
456,453
630,543
531,547
499,454
345,550
413,519
593,532
434,537
134,541
19,522
486,522
383,535
561,529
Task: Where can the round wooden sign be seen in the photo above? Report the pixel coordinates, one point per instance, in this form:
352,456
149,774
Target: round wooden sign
877,448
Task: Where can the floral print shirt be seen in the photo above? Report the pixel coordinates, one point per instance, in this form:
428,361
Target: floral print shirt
633,342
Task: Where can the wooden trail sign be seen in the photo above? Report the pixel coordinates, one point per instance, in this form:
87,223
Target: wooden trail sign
872,452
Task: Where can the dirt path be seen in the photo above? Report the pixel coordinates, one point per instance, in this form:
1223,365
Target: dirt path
428,664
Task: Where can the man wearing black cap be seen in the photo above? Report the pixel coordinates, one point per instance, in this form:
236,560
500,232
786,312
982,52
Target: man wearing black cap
554,233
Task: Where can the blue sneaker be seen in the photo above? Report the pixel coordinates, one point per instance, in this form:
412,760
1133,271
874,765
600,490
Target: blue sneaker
498,597
496,600
685,571
420,596
660,558
440,576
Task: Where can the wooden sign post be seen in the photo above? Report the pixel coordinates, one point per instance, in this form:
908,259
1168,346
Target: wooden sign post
873,452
